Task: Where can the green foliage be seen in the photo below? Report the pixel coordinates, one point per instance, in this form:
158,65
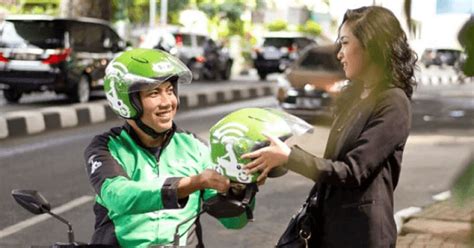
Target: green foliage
464,185
277,25
310,27
224,15
34,7
138,11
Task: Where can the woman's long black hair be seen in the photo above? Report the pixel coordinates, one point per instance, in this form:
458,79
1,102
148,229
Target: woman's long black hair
380,33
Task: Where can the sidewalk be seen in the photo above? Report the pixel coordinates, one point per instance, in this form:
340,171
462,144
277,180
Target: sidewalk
442,224
29,122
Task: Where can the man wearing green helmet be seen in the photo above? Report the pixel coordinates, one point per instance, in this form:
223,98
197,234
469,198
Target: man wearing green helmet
149,175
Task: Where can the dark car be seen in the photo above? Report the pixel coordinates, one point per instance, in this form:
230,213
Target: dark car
441,57
309,86
278,50
39,53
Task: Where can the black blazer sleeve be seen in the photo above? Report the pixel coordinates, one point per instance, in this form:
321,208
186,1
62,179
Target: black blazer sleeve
383,133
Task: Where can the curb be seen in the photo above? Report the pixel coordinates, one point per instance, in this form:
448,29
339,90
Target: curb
442,223
444,80
28,122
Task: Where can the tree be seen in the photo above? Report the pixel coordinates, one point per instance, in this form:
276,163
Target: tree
90,8
311,27
277,25
224,15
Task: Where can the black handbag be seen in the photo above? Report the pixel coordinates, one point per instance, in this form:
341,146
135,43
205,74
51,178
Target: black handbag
299,230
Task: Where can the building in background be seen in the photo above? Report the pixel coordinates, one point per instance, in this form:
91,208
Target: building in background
435,23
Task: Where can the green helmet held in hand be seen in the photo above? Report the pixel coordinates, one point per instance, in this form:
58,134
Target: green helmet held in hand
135,70
242,131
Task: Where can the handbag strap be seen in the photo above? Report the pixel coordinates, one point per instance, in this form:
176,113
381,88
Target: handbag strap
313,192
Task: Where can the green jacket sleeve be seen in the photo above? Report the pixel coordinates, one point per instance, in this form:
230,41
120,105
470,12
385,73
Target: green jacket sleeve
124,196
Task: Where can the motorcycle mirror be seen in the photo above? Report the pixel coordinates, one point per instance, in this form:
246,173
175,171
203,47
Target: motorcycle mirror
31,200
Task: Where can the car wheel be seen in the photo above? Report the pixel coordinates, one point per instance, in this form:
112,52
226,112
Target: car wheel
262,75
227,70
12,95
81,91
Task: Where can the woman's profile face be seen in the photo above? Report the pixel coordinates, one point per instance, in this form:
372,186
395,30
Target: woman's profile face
352,55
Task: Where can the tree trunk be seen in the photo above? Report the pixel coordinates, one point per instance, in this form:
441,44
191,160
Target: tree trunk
101,9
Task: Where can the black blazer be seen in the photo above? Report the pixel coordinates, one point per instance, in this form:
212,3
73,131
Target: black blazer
359,172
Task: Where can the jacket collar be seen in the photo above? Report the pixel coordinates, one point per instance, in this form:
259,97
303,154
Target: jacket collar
153,150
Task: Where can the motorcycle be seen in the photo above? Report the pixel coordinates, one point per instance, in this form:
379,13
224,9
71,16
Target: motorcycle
36,203
219,206
214,64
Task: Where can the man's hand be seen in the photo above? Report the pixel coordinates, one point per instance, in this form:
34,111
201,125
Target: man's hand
210,179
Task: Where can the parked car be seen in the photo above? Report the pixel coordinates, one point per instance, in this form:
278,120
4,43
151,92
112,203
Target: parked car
441,57
311,83
39,53
277,50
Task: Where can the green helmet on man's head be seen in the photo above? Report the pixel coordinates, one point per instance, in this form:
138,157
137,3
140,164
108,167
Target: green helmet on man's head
137,69
242,131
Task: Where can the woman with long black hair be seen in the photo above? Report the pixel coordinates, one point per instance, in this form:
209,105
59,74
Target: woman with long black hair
361,166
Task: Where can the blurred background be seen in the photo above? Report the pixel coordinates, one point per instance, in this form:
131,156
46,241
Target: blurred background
52,59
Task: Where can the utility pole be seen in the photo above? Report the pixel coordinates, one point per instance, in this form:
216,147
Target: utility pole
164,12
151,24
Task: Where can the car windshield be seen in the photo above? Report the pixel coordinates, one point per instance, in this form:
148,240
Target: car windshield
278,42
27,33
315,60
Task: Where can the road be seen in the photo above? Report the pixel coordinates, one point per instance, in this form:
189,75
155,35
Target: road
52,163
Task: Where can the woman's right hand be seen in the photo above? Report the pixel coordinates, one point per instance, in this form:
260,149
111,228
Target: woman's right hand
267,158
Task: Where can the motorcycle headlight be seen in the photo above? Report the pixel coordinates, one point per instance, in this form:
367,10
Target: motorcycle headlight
309,87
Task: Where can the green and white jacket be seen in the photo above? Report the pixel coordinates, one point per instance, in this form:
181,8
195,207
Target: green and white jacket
136,202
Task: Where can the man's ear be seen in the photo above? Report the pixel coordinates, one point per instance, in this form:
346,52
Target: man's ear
136,102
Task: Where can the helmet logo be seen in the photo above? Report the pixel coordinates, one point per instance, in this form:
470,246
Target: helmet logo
163,67
115,73
229,131
231,135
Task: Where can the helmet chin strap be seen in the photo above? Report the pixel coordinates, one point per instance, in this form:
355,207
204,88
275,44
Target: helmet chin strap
148,130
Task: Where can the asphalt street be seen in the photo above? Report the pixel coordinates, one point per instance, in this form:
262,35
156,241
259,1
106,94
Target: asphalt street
52,163
441,140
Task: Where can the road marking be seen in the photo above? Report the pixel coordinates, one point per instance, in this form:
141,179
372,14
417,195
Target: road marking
8,152
40,218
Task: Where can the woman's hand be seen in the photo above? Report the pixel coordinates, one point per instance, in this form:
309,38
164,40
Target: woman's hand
267,158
